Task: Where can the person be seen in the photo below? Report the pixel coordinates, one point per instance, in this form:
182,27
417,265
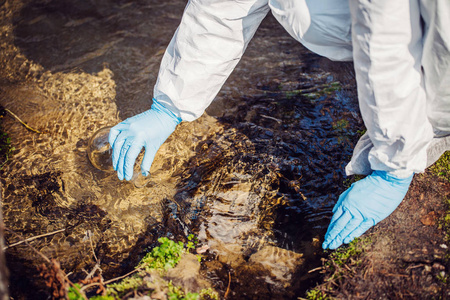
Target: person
400,51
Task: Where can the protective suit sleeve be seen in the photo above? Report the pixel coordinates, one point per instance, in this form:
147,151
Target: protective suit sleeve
204,50
387,51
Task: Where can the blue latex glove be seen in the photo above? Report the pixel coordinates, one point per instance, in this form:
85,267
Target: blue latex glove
364,204
149,129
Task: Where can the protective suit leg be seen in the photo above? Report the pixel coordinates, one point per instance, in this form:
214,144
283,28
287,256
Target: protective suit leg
436,62
387,51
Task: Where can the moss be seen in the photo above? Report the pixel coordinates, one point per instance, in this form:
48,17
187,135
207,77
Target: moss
102,298
442,166
317,295
337,266
209,294
118,290
341,125
349,254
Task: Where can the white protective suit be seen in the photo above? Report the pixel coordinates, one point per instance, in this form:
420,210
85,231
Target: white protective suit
400,49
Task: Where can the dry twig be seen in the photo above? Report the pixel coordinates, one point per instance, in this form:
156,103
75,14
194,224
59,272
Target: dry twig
228,287
33,238
22,122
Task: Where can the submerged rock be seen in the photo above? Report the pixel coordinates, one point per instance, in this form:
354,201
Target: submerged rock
281,263
186,274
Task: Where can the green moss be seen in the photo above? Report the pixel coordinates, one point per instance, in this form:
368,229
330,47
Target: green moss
117,290
442,166
341,125
209,294
349,254
337,266
103,298
361,132
317,295
176,293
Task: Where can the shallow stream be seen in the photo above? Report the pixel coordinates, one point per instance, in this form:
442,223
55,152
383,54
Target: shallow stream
255,178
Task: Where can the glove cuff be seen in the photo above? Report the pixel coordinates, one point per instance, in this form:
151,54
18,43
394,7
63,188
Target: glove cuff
156,106
394,179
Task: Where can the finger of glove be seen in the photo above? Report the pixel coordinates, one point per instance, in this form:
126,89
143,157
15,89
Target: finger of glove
147,161
363,227
337,224
117,149
114,132
350,227
130,158
122,156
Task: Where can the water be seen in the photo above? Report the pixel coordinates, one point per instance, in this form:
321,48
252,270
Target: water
255,178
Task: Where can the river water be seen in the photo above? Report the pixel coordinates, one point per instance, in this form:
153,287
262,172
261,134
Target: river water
255,178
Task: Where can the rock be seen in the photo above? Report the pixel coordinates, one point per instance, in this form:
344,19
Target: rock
281,263
187,274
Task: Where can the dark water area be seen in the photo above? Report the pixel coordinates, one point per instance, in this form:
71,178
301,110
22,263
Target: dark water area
255,178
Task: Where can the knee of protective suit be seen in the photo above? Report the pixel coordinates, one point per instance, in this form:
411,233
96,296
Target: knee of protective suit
322,26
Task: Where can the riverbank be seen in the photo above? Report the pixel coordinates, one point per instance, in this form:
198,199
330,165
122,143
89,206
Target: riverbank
405,256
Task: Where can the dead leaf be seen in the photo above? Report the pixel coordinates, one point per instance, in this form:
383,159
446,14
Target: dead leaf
429,219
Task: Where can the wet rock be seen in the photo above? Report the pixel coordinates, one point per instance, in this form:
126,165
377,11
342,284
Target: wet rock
186,274
281,263
266,275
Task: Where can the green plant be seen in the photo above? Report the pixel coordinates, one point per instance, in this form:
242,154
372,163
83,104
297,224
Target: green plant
74,292
444,222
442,166
361,132
443,277
125,285
192,242
316,294
209,293
176,293
164,256
349,254
152,266
103,298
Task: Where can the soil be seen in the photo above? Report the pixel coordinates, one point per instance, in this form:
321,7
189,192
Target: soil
405,256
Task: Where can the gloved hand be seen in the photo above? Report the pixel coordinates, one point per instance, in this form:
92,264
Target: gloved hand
363,205
149,129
